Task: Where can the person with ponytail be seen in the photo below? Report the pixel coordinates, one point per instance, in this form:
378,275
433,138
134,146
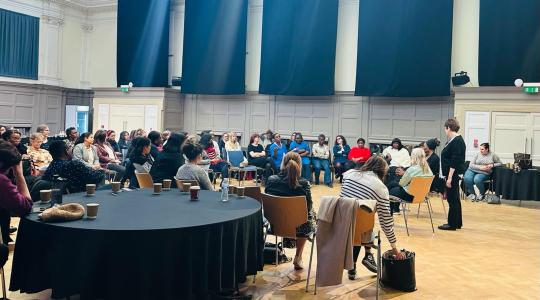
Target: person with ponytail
434,163
290,183
419,168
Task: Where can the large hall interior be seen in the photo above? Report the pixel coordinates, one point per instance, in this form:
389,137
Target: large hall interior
269,149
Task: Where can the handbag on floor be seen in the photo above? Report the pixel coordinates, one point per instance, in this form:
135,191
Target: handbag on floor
269,254
493,199
399,274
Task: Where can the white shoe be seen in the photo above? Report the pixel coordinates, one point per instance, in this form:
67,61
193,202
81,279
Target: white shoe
472,197
297,262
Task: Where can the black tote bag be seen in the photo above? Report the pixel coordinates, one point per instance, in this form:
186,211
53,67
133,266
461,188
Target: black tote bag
399,274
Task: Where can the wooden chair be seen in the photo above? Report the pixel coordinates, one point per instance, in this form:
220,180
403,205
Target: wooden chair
145,180
180,182
285,214
419,189
253,192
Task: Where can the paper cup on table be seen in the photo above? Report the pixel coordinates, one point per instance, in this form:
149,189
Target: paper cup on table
45,195
157,188
92,210
90,189
115,187
194,192
240,191
185,187
167,184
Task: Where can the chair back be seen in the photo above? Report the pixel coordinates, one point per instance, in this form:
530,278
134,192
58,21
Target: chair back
253,192
285,213
235,158
419,188
145,180
180,182
365,222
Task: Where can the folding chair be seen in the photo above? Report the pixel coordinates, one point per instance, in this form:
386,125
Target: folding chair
235,159
419,189
145,180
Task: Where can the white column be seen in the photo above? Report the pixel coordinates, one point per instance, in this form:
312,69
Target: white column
50,57
85,56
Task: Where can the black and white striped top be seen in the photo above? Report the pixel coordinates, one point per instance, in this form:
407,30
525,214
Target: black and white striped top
366,185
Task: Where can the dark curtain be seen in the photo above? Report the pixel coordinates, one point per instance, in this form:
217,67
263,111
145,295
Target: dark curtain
142,54
19,45
404,48
509,42
214,56
298,47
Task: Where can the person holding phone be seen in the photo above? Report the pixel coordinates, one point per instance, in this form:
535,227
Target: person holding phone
277,151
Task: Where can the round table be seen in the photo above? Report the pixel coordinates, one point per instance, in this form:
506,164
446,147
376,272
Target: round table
142,246
524,185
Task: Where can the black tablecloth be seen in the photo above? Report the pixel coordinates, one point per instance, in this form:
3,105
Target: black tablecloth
524,185
142,246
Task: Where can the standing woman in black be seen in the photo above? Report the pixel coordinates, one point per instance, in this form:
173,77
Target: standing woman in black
453,164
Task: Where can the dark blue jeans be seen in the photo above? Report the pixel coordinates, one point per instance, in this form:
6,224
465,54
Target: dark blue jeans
319,164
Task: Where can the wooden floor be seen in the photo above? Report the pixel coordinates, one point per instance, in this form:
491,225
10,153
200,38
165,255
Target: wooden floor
496,255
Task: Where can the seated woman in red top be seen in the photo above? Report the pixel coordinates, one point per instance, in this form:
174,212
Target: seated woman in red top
359,154
15,199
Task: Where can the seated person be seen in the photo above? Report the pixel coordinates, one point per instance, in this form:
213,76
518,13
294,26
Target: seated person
434,163
14,198
107,157
321,160
44,130
302,148
399,159
85,151
77,173
276,152
155,139
232,144
256,155
191,170
289,183
169,160
419,168
341,156
221,144
217,164
359,154
72,137
140,156
39,156
480,169
366,183
13,136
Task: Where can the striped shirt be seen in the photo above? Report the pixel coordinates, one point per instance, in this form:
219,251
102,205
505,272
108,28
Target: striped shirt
366,185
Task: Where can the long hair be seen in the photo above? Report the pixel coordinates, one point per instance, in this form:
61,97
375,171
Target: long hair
377,165
291,166
418,157
138,144
342,138
174,143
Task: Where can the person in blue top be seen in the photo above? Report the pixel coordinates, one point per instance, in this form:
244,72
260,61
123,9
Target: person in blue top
301,147
341,153
276,152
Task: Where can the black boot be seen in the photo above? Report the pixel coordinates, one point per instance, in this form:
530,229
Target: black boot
352,273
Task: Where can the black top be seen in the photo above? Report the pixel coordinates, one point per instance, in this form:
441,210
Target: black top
154,152
277,185
123,144
135,159
258,148
453,156
114,145
166,165
434,163
78,175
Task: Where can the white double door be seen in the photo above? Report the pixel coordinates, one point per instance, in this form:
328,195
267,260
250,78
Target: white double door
516,132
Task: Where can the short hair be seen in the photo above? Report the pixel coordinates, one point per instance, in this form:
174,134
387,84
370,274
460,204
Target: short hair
100,136
69,130
361,139
485,145
57,149
41,128
253,136
154,136
7,135
192,151
452,124
397,140
323,136
9,156
36,135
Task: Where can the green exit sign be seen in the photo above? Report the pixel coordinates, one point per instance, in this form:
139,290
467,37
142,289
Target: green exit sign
531,89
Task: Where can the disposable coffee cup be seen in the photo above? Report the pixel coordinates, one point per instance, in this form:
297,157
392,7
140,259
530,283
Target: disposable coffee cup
92,210
157,188
90,189
167,184
45,195
194,192
185,187
115,187
240,191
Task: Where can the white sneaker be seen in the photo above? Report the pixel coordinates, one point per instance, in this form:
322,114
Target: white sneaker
297,262
472,197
